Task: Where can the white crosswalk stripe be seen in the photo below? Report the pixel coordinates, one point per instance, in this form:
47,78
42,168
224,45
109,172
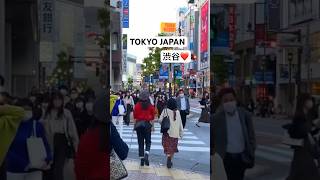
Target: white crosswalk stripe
195,110
278,153
188,143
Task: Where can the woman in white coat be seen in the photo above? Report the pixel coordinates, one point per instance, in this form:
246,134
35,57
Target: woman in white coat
171,137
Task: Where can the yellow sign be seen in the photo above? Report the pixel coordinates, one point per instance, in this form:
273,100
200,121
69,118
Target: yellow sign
166,27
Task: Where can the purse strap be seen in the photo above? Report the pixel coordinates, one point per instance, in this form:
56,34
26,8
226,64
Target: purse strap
34,130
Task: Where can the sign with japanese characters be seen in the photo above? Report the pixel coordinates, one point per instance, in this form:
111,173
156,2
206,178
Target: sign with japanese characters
46,19
175,56
166,27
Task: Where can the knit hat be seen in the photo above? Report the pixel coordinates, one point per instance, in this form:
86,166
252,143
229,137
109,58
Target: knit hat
172,104
100,108
144,95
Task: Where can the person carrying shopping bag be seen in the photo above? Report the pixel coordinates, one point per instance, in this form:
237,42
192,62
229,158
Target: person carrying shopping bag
171,136
29,153
205,111
118,112
144,114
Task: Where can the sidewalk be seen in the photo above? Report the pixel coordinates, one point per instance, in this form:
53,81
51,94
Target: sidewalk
157,172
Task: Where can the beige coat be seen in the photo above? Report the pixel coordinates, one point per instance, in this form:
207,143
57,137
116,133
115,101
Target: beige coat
176,128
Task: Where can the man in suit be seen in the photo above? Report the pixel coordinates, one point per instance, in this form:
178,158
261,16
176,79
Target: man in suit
183,106
234,136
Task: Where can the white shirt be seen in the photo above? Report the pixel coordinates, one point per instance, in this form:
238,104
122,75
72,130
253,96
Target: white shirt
183,104
235,139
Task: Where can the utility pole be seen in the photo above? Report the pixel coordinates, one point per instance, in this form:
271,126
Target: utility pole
298,76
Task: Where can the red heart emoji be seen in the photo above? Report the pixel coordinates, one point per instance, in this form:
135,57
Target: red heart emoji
184,55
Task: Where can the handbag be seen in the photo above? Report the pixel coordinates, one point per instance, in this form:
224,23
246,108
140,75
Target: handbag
70,154
165,124
117,168
36,150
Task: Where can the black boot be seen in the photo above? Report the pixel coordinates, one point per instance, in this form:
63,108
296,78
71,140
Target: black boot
169,162
142,162
146,159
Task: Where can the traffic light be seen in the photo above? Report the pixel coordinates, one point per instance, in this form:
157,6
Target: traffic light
193,57
213,26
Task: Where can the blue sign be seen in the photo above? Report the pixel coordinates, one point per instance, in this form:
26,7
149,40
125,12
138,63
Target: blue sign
264,77
125,13
177,71
164,71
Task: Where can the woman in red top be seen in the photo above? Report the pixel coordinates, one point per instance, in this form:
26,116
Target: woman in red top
144,113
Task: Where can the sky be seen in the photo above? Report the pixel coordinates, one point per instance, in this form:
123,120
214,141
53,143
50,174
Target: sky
145,17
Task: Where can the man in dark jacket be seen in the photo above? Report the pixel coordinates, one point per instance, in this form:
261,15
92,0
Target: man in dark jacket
234,136
183,106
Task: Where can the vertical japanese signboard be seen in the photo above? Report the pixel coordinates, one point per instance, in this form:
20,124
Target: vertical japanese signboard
124,53
46,26
232,26
125,14
204,36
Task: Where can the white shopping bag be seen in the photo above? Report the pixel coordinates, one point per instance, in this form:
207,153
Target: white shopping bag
218,172
121,109
36,150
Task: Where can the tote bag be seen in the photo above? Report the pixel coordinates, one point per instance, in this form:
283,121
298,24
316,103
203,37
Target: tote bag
36,150
121,109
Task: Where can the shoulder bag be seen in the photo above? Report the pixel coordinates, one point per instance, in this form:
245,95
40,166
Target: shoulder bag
165,124
36,149
117,168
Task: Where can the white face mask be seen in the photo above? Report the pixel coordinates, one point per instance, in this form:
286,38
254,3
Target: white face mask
181,95
27,115
79,105
89,106
230,107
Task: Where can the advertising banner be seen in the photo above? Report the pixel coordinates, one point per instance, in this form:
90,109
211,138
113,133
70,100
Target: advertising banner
167,27
177,71
273,14
125,12
204,36
232,27
164,71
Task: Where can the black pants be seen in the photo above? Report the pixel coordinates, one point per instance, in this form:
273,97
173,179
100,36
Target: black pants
183,117
3,171
59,158
234,166
144,137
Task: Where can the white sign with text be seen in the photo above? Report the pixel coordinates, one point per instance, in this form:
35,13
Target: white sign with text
159,41
175,56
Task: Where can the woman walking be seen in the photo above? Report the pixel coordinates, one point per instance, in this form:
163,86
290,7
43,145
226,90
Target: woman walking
92,158
205,112
129,104
160,104
303,165
81,117
144,113
61,133
118,112
170,138
18,160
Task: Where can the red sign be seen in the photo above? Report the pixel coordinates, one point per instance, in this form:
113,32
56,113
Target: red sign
232,26
204,27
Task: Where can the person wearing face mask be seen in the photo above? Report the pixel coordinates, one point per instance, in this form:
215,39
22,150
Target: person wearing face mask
17,157
10,119
71,104
62,136
129,104
183,106
81,116
305,163
160,104
234,136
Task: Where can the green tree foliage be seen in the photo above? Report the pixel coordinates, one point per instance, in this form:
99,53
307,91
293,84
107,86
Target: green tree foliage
63,70
104,22
151,64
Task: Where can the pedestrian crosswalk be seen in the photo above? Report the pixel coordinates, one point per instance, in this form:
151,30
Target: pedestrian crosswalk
188,143
277,153
195,110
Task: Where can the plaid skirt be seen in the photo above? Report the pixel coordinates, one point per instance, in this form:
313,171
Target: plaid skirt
170,145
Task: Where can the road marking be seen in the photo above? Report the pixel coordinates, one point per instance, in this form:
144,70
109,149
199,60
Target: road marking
160,141
276,154
180,148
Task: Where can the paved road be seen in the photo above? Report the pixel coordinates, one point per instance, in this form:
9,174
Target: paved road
194,147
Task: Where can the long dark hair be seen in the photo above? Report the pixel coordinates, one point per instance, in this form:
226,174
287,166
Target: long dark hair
145,104
301,102
51,105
